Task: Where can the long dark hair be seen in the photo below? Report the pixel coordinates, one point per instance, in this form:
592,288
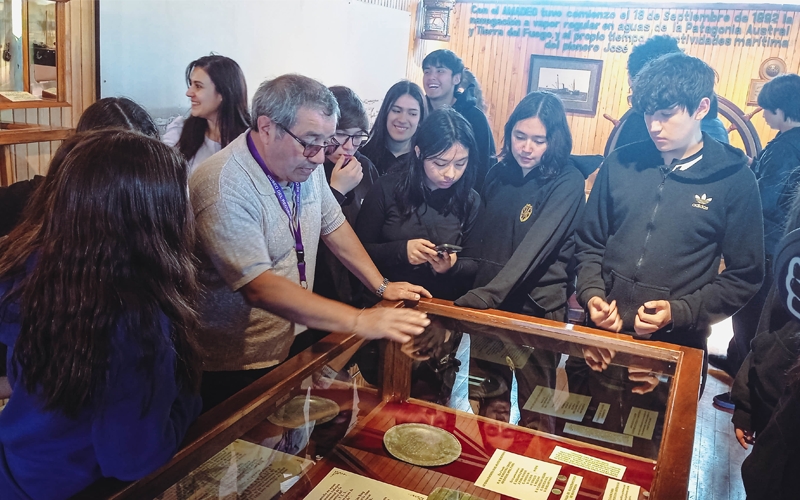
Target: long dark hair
117,112
114,250
232,116
550,110
379,134
441,130
109,112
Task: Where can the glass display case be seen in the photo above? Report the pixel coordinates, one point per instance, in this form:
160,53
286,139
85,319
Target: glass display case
32,72
499,406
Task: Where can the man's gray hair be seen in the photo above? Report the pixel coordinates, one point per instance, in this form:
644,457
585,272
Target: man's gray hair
281,98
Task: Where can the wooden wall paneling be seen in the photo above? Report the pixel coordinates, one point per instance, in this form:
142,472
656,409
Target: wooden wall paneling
32,149
44,147
503,86
74,15
19,151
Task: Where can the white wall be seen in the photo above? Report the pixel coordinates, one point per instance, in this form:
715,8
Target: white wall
145,45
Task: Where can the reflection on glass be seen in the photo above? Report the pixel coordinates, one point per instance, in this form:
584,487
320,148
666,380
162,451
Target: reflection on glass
42,47
592,394
273,456
36,40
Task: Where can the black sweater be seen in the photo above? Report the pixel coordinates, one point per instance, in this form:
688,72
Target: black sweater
13,199
384,160
651,232
523,241
332,279
777,169
465,105
385,234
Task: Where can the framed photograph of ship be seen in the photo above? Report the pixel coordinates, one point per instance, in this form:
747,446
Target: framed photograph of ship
575,80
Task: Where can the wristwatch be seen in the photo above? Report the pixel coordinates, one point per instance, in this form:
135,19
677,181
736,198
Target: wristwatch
382,288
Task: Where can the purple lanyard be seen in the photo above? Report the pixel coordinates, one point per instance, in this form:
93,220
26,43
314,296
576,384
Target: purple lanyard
294,220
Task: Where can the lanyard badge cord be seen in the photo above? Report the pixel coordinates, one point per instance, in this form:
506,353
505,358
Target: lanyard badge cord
294,218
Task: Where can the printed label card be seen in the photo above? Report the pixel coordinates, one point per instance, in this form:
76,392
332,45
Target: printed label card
641,423
587,462
542,400
343,485
617,490
518,476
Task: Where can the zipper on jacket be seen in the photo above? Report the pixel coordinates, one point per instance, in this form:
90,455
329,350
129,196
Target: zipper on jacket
664,174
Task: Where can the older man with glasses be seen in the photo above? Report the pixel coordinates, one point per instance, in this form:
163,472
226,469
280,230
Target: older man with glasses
261,207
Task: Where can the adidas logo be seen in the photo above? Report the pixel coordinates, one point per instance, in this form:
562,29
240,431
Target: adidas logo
701,202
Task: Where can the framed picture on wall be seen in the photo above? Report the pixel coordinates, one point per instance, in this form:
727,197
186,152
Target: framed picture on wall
575,80
754,90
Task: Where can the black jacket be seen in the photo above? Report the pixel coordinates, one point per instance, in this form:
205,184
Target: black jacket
762,378
652,232
772,470
13,199
778,173
385,234
332,279
384,160
523,241
465,105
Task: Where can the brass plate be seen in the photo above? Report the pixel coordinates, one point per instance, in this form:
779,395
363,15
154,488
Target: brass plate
421,444
291,414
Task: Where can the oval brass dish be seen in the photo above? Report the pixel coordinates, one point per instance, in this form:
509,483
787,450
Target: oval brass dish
421,444
292,414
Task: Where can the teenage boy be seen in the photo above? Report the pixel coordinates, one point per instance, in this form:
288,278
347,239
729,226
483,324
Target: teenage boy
633,129
777,170
443,72
661,214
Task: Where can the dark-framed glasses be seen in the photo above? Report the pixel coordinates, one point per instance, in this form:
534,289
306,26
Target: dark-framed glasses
311,150
358,139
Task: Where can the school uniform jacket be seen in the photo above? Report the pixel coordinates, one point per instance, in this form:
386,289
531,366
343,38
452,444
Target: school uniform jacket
656,232
520,249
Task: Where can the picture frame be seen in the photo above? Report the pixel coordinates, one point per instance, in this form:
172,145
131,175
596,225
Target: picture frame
575,80
755,88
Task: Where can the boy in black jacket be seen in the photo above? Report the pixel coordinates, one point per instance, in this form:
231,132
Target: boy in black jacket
443,72
661,214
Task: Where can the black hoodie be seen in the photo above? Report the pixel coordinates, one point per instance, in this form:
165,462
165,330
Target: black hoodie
523,241
777,169
332,279
655,232
466,106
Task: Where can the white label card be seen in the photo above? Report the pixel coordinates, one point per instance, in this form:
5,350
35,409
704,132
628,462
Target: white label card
572,487
641,423
617,490
518,477
542,401
587,462
601,413
342,485
598,434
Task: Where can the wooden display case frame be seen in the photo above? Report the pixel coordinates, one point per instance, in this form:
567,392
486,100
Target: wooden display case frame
225,423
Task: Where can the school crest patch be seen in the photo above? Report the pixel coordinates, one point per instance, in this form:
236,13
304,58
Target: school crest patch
526,212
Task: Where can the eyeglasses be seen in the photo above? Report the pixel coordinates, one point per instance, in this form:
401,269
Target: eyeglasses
358,139
311,150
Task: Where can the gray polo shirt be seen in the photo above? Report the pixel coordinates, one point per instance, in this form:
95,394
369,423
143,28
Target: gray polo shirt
243,232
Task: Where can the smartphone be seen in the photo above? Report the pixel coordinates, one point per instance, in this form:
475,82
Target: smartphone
448,248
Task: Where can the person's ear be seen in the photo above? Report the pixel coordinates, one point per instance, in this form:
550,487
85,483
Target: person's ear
456,79
702,108
416,151
266,128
